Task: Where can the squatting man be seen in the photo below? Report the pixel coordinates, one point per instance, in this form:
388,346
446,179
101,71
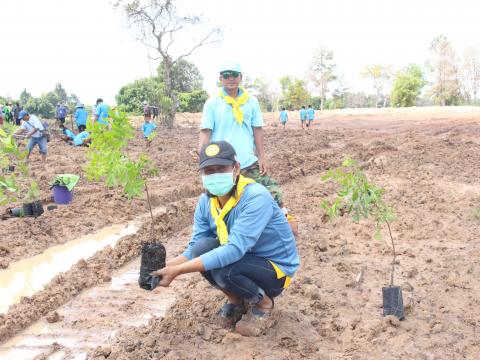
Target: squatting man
241,243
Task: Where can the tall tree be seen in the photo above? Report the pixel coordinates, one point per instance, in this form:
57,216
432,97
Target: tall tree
160,27
261,89
184,74
61,93
294,93
321,72
24,96
380,75
470,75
445,88
407,86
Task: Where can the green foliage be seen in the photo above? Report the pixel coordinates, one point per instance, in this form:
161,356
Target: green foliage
357,196
14,184
108,158
45,105
407,86
185,76
130,98
193,101
294,93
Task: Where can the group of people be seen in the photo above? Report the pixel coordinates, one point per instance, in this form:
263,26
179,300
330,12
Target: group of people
306,116
243,240
33,129
10,113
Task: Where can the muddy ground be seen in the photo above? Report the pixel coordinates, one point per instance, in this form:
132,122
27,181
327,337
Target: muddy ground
427,159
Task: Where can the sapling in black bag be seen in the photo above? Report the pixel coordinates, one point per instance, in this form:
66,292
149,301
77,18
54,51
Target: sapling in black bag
153,258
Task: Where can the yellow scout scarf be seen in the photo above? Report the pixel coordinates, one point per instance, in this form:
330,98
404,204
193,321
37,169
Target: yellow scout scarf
236,103
222,231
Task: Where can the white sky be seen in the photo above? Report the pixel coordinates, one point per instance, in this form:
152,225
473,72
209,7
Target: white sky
87,46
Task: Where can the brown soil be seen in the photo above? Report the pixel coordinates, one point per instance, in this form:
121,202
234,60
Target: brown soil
428,161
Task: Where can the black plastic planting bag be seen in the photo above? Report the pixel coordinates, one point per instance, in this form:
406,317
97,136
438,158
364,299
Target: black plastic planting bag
153,258
393,301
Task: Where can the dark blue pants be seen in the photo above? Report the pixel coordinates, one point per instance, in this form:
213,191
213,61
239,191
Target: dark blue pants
249,279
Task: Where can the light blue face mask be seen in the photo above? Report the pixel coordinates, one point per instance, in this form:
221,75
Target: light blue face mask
218,184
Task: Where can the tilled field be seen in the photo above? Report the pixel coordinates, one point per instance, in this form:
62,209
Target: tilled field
429,164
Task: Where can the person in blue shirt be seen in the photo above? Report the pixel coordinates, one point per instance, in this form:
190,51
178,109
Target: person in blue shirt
148,127
81,116
241,241
61,113
235,116
283,117
303,116
101,112
82,139
310,115
67,134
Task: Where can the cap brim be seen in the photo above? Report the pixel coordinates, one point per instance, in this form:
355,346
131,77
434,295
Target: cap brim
216,161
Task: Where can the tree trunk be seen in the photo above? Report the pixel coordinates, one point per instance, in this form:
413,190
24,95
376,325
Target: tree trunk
169,116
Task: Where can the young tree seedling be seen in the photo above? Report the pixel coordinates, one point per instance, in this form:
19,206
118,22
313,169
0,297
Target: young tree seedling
360,199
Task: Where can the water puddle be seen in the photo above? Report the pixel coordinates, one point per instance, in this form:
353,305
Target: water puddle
91,319
28,276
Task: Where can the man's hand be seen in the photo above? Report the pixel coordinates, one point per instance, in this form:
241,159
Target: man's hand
168,274
263,165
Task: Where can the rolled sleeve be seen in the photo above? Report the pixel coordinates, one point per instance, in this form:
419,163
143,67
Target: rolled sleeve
257,119
208,117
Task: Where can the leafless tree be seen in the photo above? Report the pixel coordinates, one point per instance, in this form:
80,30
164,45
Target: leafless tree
321,72
470,75
162,28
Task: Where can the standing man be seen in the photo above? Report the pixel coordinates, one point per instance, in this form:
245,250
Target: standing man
101,112
147,112
310,115
234,116
33,128
81,117
16,113
61,113
283,117
303,116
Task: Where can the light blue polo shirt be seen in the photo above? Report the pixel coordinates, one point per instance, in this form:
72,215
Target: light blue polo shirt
148,128
283,116
310,114
303,114
218,117
102,113
80,137
256,226
81,116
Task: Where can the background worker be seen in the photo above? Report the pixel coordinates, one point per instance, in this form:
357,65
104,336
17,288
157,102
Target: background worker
81,116
33,128
234,116
283,117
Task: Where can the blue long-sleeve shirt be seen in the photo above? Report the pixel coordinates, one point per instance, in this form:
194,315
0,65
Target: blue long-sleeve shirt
256,226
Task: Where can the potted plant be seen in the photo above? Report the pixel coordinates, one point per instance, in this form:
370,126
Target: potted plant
361,199
62,187
108,160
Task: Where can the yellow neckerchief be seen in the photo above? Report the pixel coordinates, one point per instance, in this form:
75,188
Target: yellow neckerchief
236,102
222,231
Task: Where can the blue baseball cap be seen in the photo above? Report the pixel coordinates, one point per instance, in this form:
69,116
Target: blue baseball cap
23,113
230,66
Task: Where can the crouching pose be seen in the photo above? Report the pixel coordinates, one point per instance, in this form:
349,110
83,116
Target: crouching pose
241,241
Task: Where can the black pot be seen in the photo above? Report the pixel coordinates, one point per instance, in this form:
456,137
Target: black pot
27,209
153,258
393,301
11,168
33,209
